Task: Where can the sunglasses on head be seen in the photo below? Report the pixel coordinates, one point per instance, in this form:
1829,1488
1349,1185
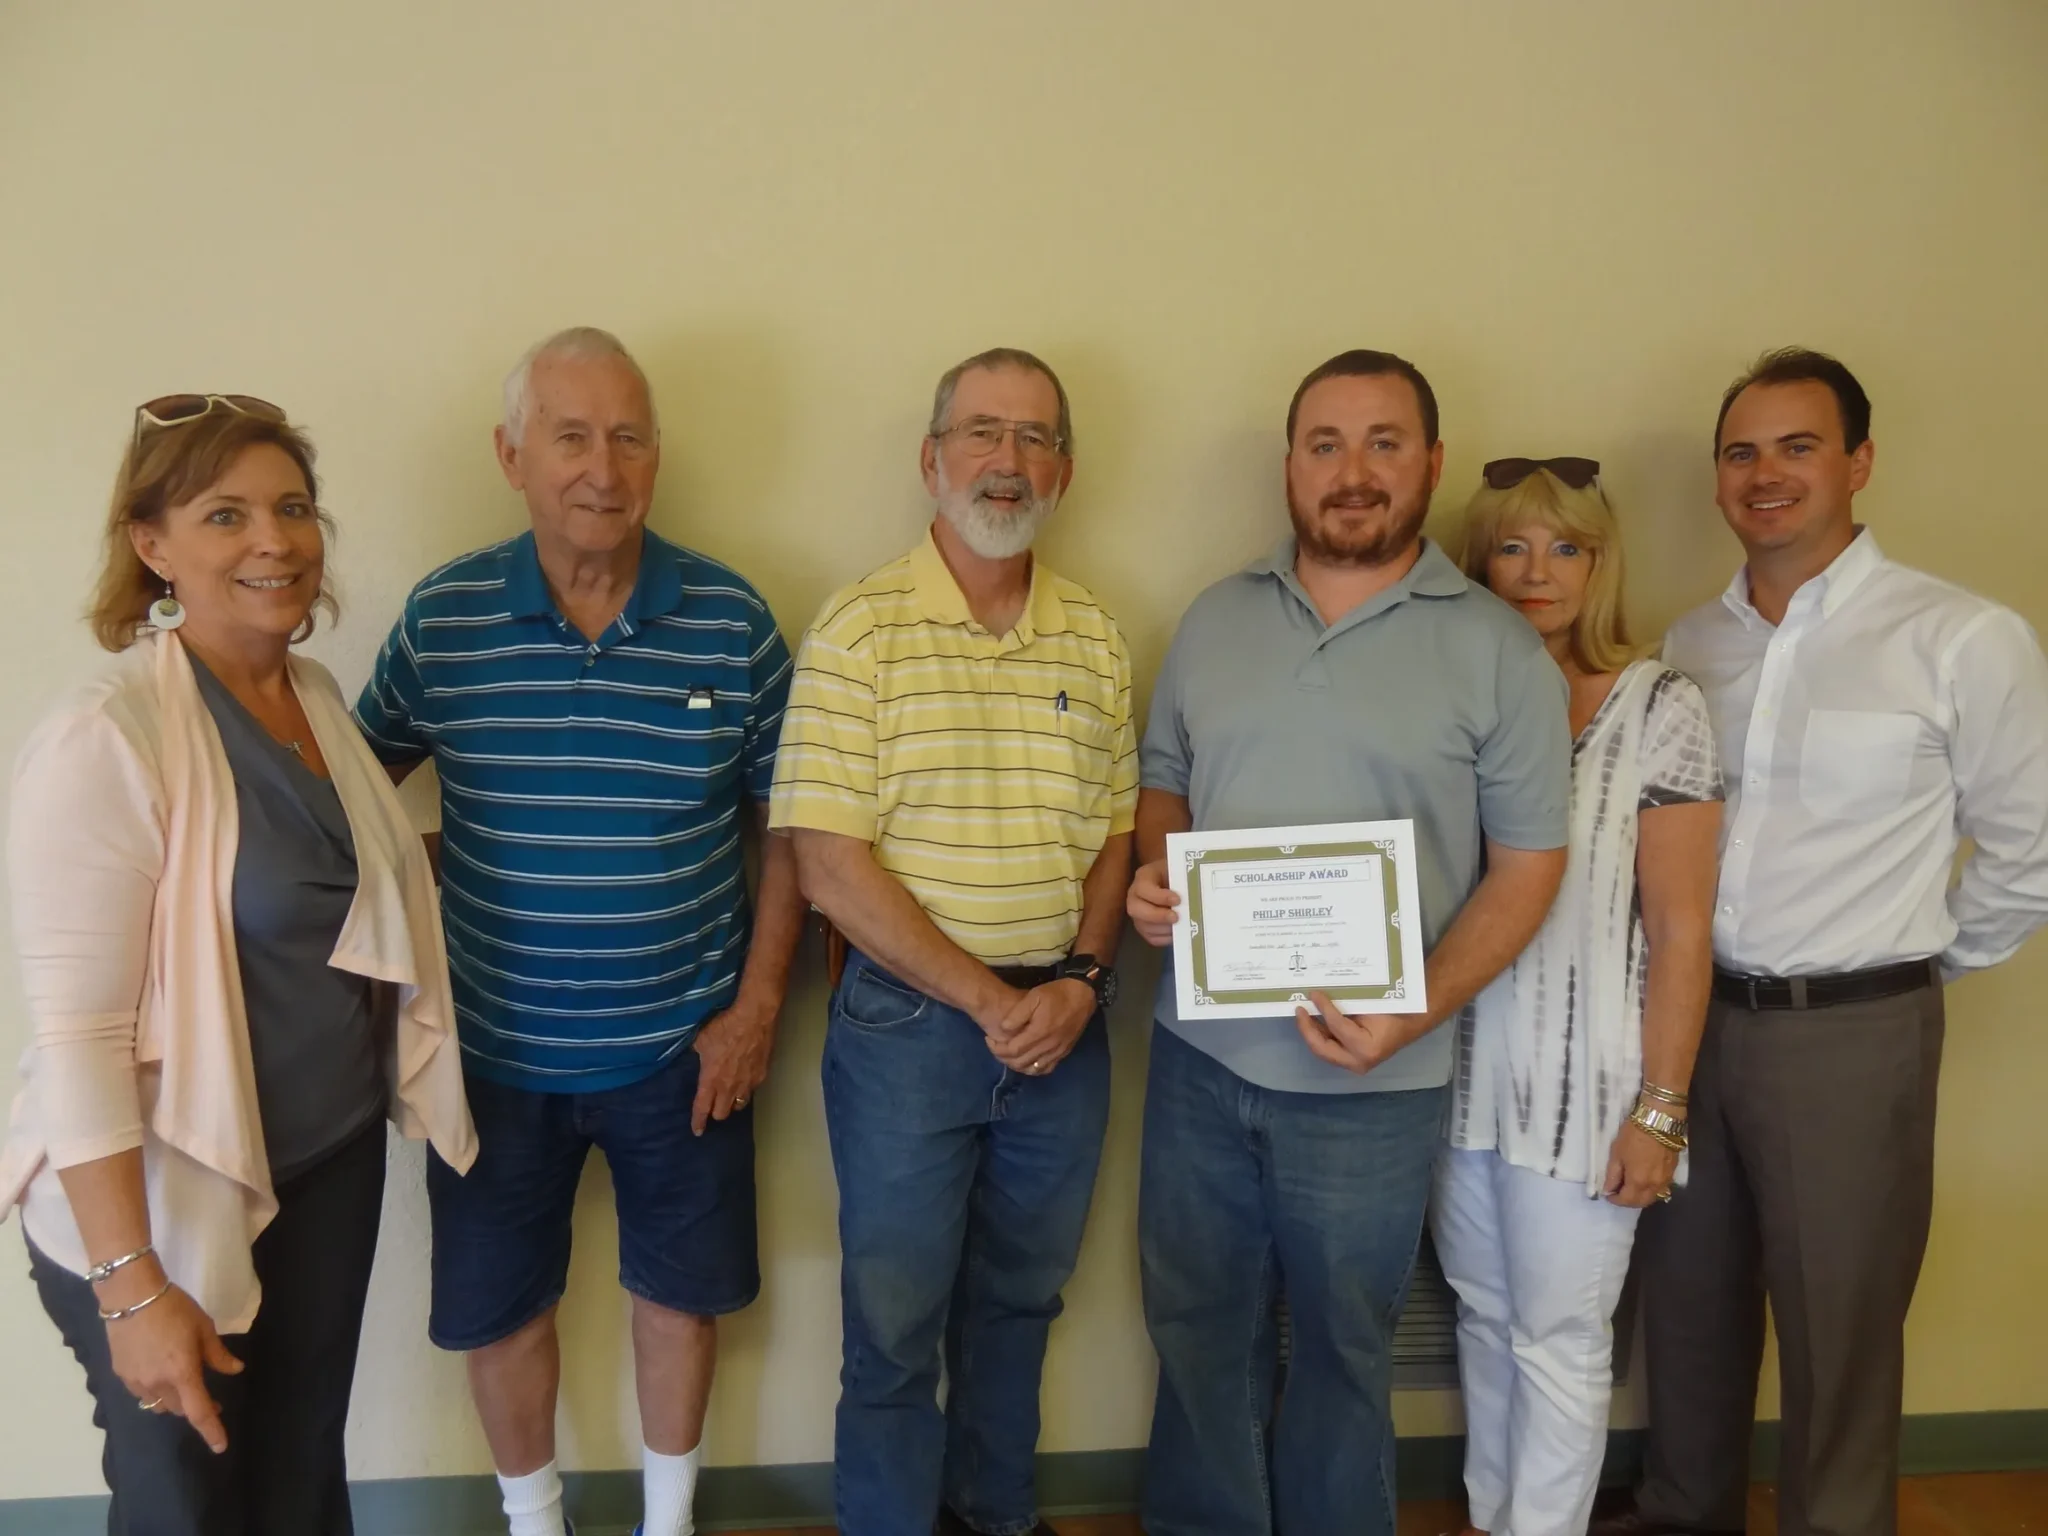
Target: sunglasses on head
176,410
1502,474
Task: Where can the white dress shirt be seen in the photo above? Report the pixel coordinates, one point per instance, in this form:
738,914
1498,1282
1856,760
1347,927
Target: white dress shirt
1889,716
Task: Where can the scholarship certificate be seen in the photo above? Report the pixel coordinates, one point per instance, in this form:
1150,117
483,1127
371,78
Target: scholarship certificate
1272,914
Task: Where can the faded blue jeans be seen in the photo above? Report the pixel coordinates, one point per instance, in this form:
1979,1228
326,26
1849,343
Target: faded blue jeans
963,1190
1246,1193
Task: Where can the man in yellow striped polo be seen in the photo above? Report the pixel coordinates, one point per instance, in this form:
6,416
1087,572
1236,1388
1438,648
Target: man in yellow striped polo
958,770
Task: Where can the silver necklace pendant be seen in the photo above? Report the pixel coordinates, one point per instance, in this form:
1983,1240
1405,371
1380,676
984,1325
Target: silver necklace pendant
297,749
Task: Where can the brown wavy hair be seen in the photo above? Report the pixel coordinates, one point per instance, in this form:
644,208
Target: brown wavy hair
166,467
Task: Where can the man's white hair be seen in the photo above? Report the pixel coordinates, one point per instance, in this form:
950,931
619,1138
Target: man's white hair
578,341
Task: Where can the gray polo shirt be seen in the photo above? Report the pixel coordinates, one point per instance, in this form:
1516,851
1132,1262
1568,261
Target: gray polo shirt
1433,702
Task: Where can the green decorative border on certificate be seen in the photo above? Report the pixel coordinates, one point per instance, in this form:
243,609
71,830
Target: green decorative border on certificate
1198,952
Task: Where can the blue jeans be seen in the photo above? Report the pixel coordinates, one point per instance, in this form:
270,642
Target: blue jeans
1246,1193
963,1189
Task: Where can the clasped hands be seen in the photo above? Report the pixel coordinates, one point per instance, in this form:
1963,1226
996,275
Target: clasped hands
1032,1030
1357,1042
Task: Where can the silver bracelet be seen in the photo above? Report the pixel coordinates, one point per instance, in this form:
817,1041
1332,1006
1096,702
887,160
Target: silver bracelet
117,1315
100,1273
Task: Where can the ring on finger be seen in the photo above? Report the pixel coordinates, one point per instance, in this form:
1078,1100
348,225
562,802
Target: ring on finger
739,1103
155,1404
1664,1195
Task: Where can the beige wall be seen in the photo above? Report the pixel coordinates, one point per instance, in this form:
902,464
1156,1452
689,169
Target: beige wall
1581,217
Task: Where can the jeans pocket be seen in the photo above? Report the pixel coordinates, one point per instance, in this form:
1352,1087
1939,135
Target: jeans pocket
869,1000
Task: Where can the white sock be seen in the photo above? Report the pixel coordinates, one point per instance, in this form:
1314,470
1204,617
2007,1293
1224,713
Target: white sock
669,1489
533,1503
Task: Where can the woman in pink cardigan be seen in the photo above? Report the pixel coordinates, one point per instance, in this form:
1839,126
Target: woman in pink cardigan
234,965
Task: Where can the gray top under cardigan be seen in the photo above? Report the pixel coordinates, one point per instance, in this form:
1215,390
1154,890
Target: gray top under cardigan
313,1030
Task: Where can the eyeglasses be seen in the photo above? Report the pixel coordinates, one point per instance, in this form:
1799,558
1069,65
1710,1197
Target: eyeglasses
981,437
176,410
1504,474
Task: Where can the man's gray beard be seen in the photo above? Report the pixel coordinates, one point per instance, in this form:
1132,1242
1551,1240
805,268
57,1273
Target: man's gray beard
989,531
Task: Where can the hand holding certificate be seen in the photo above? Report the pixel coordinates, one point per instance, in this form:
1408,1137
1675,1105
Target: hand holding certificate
1269,916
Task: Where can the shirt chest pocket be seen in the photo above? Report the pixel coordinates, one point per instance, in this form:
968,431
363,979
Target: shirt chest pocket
1079,757
1856,763
1081,727
704,730
1087,742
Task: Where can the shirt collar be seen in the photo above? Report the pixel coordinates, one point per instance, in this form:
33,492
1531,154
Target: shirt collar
1849,570
940,599
526,590
1845,573
657,588
1434,573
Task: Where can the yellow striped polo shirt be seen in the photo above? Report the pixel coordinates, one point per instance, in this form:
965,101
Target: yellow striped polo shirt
986,773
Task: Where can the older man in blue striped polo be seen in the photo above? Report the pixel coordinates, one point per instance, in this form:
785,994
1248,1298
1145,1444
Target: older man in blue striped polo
603,708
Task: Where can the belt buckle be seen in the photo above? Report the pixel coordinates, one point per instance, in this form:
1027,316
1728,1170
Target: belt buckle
1755,1006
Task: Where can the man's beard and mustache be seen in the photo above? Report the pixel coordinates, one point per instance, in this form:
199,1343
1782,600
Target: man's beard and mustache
992,531
1379,543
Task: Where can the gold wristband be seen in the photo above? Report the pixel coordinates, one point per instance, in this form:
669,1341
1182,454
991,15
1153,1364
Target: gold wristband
1666,1130
1669,1096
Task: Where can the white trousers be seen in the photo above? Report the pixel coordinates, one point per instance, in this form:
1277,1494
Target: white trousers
1538,1269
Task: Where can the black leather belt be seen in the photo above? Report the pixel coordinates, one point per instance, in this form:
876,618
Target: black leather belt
1025,977
1759,993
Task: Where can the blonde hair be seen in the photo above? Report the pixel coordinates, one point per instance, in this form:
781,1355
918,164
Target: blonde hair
166,467
1600,639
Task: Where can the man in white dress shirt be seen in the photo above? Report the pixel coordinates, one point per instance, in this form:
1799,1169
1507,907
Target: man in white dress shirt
1869,717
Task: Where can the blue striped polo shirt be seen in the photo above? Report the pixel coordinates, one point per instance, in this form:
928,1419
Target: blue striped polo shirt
592,885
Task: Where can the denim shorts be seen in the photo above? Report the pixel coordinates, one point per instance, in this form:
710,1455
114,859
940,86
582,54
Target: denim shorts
685,1203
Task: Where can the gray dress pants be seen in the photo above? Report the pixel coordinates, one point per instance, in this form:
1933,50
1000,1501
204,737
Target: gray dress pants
1812,1184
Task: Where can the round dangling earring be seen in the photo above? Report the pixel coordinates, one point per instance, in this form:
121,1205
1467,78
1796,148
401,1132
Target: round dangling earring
166,612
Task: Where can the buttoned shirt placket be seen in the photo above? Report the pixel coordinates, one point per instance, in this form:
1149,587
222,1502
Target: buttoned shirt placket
1760,740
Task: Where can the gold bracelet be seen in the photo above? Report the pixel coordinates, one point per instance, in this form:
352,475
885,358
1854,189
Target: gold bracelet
1666,1130
1664,1095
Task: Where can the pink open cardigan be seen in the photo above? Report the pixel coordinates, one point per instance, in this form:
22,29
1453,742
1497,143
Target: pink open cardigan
121,856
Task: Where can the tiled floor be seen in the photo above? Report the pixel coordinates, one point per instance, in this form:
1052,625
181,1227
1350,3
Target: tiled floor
1974,1504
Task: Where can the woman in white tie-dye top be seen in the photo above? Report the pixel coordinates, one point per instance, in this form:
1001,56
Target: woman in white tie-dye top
1568,1106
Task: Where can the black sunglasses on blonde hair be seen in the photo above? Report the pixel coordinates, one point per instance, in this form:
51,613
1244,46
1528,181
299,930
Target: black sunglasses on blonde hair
1505,474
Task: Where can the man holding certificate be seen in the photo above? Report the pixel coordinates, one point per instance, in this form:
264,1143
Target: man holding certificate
1361,759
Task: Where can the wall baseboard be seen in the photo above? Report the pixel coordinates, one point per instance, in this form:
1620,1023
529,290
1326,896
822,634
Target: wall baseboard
1069,1482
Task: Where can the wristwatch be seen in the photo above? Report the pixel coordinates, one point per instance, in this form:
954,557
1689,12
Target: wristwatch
1101,978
